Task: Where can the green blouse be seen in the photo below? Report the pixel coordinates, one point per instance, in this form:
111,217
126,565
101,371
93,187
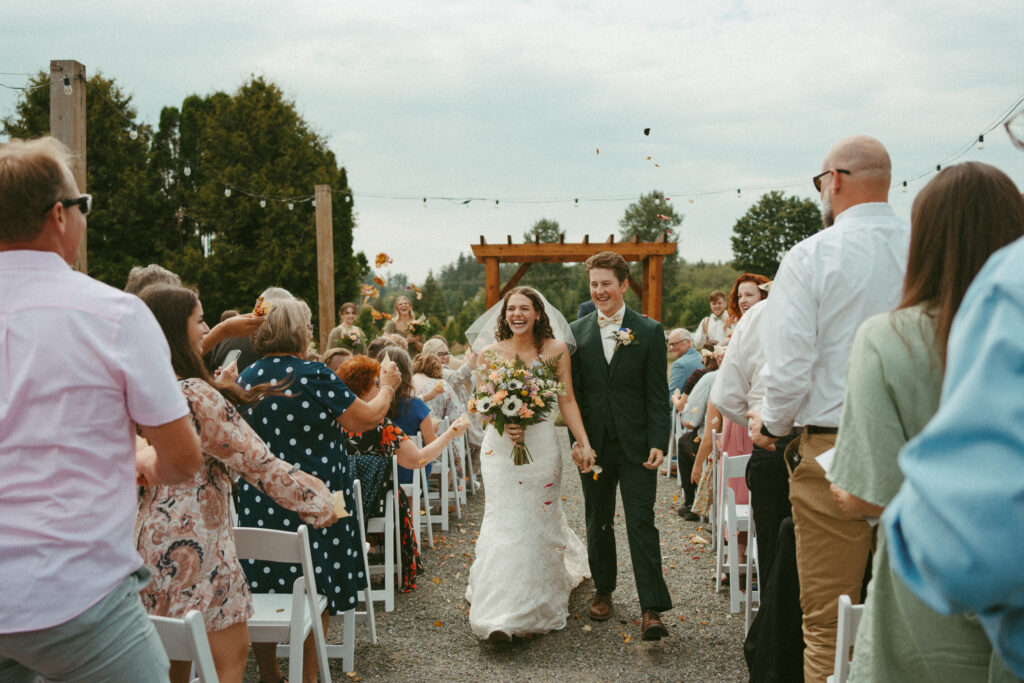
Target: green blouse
893,382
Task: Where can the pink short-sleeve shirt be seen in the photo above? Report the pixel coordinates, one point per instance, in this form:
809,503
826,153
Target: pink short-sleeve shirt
80,362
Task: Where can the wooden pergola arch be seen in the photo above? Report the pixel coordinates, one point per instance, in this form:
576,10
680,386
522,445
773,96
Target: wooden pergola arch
650,254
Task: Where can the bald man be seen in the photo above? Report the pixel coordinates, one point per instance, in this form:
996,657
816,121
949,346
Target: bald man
826,286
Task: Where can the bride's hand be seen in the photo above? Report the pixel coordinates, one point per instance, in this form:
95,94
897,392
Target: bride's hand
587,459
514,433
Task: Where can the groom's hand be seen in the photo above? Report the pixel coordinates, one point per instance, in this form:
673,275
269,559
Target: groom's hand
587,460
655,459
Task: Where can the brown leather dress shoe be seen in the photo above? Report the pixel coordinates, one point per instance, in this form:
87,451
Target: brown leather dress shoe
651,627
499,637
601,606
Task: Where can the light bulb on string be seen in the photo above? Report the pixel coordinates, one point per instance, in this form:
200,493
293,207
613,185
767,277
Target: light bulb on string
496,203
263,203
227,191
188,169
133,133
424,202
739,193
938,167
348,199
981,142
291,206
904,187
67,85
313,203
576,203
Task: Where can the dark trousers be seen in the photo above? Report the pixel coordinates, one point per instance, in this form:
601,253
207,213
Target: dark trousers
638,486
687,450
768,481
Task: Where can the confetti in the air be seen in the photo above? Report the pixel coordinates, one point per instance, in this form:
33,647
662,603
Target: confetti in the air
647,131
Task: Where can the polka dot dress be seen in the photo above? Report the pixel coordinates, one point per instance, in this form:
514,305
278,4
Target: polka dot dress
300,426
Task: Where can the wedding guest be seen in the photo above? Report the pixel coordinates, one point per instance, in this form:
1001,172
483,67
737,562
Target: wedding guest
407,410
336,357
302,424
959,219
347,334
217,347
686,359
398,340
745,293
711,330
826,286
459,374
428,384
372,451
140,277
69,576
183,531
377,345
230,313
404,322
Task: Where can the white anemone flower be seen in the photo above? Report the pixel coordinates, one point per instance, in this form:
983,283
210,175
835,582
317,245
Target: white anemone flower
511,405
484,405
515,385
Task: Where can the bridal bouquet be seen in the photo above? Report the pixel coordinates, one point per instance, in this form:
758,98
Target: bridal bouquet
511,392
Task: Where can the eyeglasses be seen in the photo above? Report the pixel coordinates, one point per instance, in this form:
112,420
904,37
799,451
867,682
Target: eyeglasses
443,354
675,343
817,179
1015,129
84,204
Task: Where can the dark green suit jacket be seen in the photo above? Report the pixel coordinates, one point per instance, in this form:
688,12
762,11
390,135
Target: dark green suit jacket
631,392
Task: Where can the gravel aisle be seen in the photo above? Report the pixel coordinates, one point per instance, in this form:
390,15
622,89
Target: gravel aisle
705,642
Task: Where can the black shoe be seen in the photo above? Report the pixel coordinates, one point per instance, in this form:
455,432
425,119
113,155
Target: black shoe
683,510
690,516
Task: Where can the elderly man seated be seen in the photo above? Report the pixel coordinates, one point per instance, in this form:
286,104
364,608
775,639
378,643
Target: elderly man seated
687,359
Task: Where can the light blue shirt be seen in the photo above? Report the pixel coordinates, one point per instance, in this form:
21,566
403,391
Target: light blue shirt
956,528
682,368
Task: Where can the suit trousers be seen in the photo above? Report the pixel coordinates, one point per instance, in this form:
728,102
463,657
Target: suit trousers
638,487
768,481
831,555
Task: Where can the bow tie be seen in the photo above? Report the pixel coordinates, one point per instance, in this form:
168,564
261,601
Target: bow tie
604,321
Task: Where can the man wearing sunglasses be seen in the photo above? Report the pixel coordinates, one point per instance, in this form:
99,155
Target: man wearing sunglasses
85,363
826,286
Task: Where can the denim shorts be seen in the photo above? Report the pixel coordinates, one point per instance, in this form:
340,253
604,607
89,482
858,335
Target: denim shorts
111,641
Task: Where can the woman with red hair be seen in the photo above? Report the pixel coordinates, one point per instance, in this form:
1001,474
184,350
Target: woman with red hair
745,293
372,451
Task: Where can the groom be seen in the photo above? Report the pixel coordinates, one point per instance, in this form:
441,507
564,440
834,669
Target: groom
619,373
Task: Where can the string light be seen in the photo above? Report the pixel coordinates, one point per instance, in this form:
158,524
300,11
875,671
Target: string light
188,169
739,193
424,202
291,206
904,187
314,203
938,167
981,142
67,85
133,133
496,203
227,191
576,203
263,203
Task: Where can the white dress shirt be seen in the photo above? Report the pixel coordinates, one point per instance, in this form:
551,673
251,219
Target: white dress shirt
739,385
715,330
826,286
608,340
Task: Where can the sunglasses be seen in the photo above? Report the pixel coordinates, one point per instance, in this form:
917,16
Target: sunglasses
817,179
84,204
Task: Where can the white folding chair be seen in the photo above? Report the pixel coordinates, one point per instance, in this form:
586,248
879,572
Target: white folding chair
367,616
444,466
417,492
185,641
283,617
390,526
737,520
713,512
469,475
672,457
849,621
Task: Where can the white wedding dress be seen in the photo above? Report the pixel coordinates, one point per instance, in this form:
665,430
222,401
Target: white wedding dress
528,560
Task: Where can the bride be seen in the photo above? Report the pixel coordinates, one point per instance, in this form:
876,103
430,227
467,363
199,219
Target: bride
528,560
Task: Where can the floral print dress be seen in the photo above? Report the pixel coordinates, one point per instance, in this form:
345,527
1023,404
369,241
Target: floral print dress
372,452
184,532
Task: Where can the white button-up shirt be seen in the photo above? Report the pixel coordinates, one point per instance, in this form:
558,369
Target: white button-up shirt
80,363
827,285
738,387
711,329
608,339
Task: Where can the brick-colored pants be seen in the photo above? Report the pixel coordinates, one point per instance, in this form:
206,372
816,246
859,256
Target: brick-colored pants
831,555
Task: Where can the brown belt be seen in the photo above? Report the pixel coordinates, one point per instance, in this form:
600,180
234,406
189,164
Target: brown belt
814,429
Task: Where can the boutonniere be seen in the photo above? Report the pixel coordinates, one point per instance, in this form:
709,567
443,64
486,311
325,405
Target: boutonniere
623,337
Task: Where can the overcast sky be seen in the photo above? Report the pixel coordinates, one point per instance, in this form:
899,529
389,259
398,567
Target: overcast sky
511,100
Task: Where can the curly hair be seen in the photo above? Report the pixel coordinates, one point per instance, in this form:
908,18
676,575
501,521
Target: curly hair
541,329
427,364
359,373
405,390
734,295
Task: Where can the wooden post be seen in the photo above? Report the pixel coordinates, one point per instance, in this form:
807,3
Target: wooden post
325,261
652,287
67,124
492,284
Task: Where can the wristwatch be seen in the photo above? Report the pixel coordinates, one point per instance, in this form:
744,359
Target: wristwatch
765,432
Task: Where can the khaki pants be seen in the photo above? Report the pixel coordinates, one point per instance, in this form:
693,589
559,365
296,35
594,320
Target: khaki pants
831,555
